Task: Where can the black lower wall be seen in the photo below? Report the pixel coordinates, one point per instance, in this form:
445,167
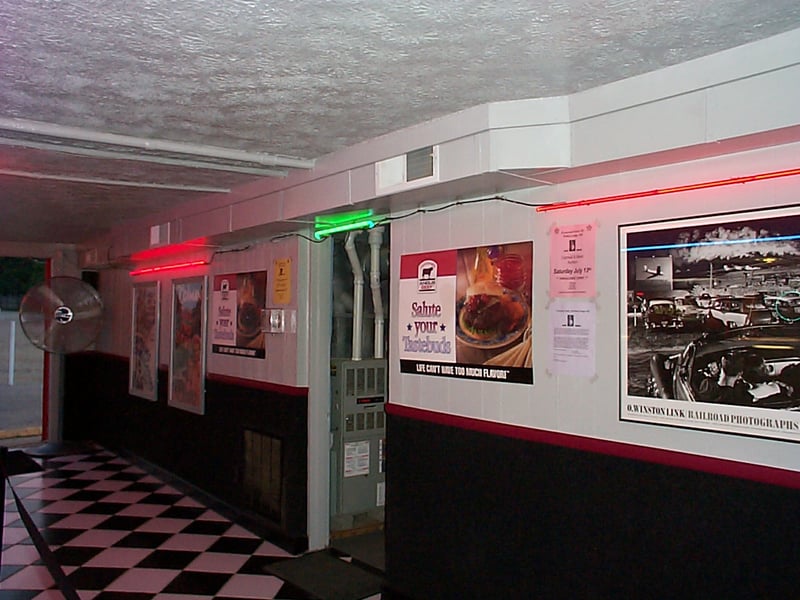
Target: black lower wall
205,450
476,515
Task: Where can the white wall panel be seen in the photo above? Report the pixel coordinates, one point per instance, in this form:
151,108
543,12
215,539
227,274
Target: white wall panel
545,146
769,101
589,406
134,238
362,183
328,193
435,228
464,157
115,288
735,64
257,211
467,222
529,112
466,398
517,223
210,223
670,123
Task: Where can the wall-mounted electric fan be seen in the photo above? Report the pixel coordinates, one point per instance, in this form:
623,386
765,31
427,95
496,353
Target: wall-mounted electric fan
61,315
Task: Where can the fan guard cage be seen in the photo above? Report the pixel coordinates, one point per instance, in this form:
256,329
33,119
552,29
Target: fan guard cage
61,315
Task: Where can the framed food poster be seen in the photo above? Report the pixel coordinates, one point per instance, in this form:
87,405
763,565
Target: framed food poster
145,324
710,323
466,313
237,303
187,348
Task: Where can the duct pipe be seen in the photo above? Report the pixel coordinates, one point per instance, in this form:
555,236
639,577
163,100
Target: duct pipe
202,163
375,243
64,132
358,292
112,182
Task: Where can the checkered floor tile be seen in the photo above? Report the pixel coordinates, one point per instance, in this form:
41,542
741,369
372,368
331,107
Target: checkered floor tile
122,533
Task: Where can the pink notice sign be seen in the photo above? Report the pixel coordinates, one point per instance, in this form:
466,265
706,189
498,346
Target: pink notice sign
572,261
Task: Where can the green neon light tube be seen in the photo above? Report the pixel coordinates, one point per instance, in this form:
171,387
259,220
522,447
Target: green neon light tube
342,218
326,231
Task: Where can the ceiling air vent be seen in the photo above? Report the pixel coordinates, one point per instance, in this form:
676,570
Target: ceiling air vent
89,258
159,235
94,258
409,170
419,163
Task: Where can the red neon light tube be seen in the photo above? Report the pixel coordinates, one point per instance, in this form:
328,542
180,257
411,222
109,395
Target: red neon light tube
669,190
183,265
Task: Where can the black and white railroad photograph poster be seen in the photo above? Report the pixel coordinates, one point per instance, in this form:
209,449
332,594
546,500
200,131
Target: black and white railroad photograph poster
710,323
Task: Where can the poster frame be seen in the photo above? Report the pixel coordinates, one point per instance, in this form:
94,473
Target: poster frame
434,287
144,344
225,327
736,254
195,402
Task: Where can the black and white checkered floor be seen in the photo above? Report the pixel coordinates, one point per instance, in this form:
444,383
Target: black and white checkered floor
122,533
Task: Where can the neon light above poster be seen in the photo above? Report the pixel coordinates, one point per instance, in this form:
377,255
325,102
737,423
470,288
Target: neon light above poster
669,190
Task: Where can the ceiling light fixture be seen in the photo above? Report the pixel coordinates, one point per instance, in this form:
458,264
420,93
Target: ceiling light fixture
669,190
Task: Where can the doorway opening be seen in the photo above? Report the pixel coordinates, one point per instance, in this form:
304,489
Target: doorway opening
21,363
359,382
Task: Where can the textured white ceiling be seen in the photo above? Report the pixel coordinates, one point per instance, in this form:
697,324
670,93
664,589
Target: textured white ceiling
307,77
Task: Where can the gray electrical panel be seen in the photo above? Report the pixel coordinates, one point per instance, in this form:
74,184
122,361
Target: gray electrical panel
358,451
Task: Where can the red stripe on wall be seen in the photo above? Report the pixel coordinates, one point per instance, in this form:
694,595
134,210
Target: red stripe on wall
718,466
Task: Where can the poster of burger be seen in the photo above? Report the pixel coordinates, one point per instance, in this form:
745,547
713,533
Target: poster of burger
466,313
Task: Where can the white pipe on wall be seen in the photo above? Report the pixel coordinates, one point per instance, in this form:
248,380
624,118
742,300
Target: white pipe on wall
375,243
358,292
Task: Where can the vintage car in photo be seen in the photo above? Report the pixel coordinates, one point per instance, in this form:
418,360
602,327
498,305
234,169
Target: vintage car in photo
662,313
786,307
728,312
690,312
680,376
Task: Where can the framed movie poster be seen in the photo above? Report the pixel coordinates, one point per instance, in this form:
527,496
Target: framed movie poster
145,324
710,323
187,348
466,313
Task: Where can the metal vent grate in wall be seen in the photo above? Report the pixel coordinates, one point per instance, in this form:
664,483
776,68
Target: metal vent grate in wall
419,163
263,473
364,380
380,379
159,235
